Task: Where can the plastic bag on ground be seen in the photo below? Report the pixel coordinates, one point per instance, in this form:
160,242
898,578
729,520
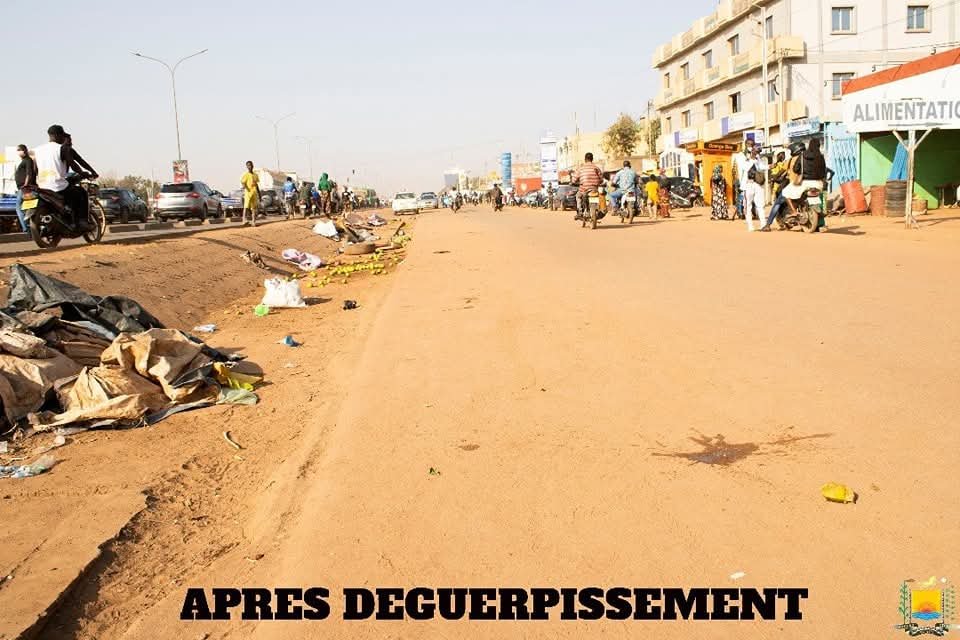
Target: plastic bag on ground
327,229
282,294
306,261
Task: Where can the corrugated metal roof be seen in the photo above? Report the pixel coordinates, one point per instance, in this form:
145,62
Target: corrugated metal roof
915,68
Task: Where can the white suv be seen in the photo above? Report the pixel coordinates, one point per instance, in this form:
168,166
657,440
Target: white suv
406,203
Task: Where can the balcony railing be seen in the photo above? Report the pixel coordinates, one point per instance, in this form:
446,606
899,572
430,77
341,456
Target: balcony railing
726,11
781,47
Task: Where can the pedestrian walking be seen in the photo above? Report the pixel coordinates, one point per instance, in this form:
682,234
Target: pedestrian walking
652,190
663,193
290,197
718,195
251,194
26,176
754,194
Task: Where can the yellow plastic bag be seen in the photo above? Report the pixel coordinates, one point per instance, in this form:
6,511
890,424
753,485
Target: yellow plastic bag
234,380
838,493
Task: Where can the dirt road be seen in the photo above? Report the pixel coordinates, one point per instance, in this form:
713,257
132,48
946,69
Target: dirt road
656,405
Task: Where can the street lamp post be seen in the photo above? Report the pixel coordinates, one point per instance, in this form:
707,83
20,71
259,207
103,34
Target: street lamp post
276,136
173,82
309,142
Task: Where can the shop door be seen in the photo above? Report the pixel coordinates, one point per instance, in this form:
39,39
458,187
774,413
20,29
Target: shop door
841,154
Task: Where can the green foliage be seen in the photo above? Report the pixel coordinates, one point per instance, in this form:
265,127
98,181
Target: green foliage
141,186
622,137
654,128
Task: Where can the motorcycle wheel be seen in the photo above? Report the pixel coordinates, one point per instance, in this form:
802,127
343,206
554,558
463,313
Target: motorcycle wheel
98,220
42,241
593,218
630,217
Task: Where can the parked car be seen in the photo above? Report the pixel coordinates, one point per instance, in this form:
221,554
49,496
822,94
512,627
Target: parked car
233,203
429,200
187,200
567,197
122,205
270,201
406,203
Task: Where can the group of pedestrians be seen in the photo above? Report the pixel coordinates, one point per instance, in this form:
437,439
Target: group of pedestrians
789,178
322,198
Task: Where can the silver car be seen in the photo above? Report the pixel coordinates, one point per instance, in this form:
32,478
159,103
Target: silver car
188,200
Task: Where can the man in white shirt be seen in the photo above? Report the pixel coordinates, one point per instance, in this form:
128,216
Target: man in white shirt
54,160
753,177
740,159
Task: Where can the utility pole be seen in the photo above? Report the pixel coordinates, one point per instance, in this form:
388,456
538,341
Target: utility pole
765,90
276,136
173,82
309,142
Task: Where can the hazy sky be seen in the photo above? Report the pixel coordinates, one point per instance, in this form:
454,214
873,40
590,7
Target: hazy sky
397,90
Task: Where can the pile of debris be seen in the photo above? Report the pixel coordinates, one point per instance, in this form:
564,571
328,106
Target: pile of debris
71,358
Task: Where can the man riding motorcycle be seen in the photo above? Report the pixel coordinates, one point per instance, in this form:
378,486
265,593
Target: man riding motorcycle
55,160
626,182
589,178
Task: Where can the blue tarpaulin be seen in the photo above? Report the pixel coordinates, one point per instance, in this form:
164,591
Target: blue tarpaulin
899,169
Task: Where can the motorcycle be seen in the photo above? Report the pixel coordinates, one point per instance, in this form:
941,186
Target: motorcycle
628,207
596,207
456,204
807,212
686,196
49,221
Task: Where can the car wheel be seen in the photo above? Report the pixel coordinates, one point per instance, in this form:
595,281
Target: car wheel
203,213
145,214
219,211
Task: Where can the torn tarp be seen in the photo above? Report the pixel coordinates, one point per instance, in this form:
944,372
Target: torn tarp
33,291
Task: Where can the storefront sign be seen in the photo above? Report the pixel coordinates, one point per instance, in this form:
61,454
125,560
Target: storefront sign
720,146
862,114
686,136
737,122
801,127
757,136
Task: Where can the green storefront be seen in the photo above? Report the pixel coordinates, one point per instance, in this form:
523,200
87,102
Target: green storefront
937,164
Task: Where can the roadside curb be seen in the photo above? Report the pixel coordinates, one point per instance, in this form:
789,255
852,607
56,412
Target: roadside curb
157,226
123,228
187,223
214,221
10,238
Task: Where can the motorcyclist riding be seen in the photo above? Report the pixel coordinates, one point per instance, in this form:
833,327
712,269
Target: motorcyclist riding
589,178
626,182
55,159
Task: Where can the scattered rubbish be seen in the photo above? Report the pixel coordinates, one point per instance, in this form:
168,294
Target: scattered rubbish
255,259
327,229
234,379
282,294
737,575
441,252
360,249
226,436
375,220
259,556
59,441
469,447
290,365
289,342
4,446
261,310
434,472
305,261
42,465
350,304
205,328
838,493
69,431
237,396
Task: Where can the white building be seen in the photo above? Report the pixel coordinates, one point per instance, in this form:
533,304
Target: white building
712,80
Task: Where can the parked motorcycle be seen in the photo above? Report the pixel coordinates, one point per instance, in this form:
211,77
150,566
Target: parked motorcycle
807,212
49,221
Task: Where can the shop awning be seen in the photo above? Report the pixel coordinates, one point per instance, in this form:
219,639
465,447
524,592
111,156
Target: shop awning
917,95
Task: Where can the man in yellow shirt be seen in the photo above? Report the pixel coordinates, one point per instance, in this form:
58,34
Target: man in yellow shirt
652,189
251,194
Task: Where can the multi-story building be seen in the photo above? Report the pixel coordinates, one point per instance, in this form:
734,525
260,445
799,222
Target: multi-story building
713,86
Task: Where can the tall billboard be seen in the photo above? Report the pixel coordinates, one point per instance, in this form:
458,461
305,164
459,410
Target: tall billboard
548,161
506,169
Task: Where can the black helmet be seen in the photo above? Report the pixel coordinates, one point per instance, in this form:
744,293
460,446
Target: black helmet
797,148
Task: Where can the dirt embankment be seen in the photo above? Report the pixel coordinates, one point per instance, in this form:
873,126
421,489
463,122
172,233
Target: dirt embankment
174,495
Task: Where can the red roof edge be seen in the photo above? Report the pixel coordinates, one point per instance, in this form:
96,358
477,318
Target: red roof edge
915,68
